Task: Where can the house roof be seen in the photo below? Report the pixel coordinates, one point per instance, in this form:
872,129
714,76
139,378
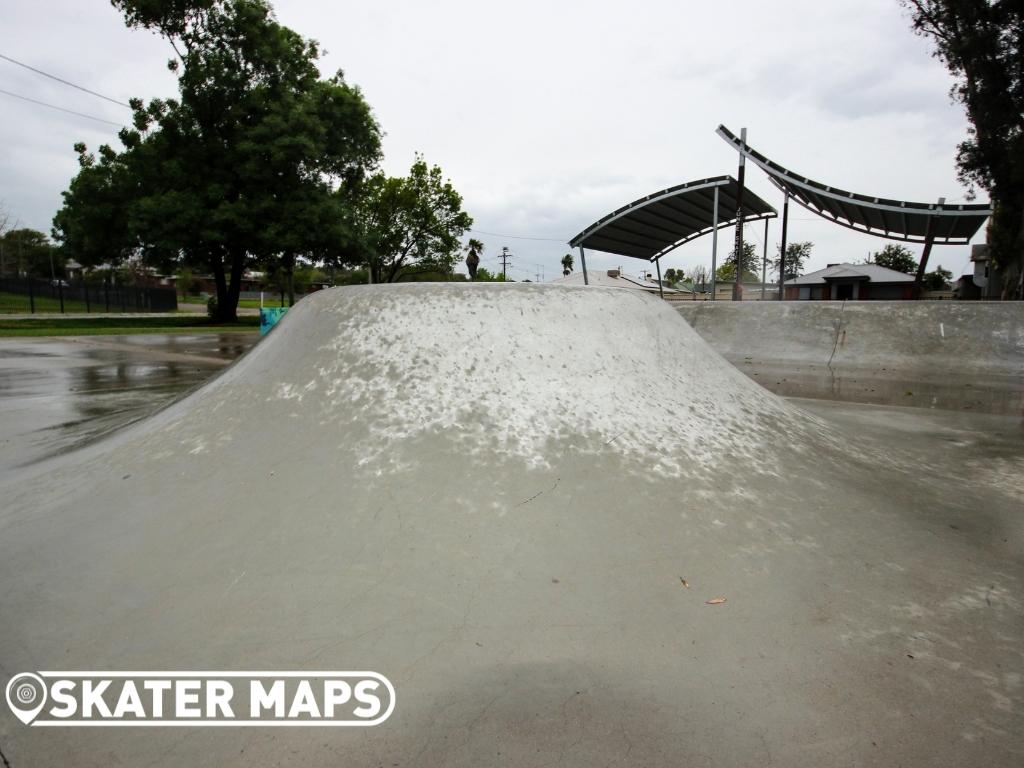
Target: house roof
601,278
652,226
872,272
892,219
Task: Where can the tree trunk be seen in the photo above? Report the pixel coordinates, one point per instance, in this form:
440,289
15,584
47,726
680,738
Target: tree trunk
1013,274
1006,241
289,261
393,270
235,286
219,279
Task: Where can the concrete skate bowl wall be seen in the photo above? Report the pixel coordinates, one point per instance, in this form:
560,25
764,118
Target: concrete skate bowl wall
951,355
561,525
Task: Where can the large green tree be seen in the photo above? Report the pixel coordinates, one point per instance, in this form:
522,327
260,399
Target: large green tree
896,256
751,259
411,224
5,225
673,276
255,160
30,252
92,225
727,273
982,45
939,280
797,255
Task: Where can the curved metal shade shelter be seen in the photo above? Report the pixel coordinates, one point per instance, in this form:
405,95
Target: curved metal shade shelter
652,226
892,219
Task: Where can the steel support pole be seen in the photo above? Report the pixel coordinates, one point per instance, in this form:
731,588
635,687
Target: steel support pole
782,248
583,263
764,259
657,264
929,241
737,288
714,245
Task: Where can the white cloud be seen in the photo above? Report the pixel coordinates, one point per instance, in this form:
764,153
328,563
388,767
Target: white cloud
547,116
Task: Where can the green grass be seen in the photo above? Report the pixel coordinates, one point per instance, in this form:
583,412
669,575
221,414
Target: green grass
94,326
16,303
242,303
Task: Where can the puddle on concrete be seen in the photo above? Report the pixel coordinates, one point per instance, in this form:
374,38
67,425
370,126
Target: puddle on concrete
59,394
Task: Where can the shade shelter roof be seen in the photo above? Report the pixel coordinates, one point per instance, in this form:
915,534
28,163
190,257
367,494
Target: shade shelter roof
893,219
652,226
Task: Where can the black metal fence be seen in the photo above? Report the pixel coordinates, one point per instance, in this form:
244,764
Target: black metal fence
30,295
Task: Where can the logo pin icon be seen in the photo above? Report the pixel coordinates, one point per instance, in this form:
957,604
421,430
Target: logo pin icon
26,696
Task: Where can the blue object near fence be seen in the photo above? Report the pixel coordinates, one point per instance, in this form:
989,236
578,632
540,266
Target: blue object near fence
269,317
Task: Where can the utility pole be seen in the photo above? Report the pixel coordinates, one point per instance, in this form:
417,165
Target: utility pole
505,256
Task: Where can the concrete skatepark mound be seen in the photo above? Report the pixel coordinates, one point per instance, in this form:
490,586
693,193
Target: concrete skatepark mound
516,502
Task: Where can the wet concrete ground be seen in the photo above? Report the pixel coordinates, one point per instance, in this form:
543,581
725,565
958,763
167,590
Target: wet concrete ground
59,393
851,591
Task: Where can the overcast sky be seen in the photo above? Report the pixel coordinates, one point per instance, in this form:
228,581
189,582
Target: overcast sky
545,115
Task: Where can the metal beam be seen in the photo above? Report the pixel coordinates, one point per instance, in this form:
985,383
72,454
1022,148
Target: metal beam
714,244
583,263
782,251
764,259
657,264
737,288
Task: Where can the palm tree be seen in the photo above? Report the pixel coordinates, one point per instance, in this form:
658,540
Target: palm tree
567,264
474,248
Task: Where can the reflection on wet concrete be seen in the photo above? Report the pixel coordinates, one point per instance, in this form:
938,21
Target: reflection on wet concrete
980,392
59,394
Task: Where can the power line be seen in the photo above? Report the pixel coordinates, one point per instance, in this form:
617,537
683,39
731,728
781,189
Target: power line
62,80
518,237
498,258
61,109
